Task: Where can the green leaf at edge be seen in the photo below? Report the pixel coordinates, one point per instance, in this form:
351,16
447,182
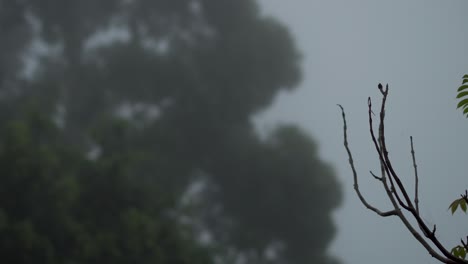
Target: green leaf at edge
462,103
461,88
453,206
465,111
459,252
462,204
462,94
462,253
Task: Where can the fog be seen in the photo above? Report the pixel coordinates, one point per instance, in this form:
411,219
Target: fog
208,132
419,49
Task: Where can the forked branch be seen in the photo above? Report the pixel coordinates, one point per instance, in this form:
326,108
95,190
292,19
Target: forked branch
394,188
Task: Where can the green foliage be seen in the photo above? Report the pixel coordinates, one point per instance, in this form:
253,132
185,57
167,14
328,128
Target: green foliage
462,95
458,203
459,252
57,207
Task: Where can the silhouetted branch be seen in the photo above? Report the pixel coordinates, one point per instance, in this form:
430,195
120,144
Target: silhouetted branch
465,244
384,151
396,189
356,185
375,176
416,180
465,196
380,145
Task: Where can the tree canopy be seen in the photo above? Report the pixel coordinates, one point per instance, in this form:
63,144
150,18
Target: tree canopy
114,111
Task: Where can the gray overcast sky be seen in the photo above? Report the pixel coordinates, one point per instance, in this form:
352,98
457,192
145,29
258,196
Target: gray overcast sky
419,47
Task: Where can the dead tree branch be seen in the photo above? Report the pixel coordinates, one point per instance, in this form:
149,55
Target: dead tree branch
356,185
395,189
416,180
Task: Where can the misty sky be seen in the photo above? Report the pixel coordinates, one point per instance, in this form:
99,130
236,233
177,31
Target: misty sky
419,47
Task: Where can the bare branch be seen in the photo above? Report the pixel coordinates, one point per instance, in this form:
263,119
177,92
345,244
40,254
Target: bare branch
384,151
393,176
379,147
396,187
375,176
416,180
405,221
351,163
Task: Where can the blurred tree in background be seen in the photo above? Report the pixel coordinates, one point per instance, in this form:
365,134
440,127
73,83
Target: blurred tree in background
127,136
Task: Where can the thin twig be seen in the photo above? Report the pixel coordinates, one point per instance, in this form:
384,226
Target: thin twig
355,179
465,196
379,147
416,180
465,244
392,173
375,176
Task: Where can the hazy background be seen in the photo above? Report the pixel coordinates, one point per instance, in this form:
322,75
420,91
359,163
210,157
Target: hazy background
420,49
207,131
127,136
